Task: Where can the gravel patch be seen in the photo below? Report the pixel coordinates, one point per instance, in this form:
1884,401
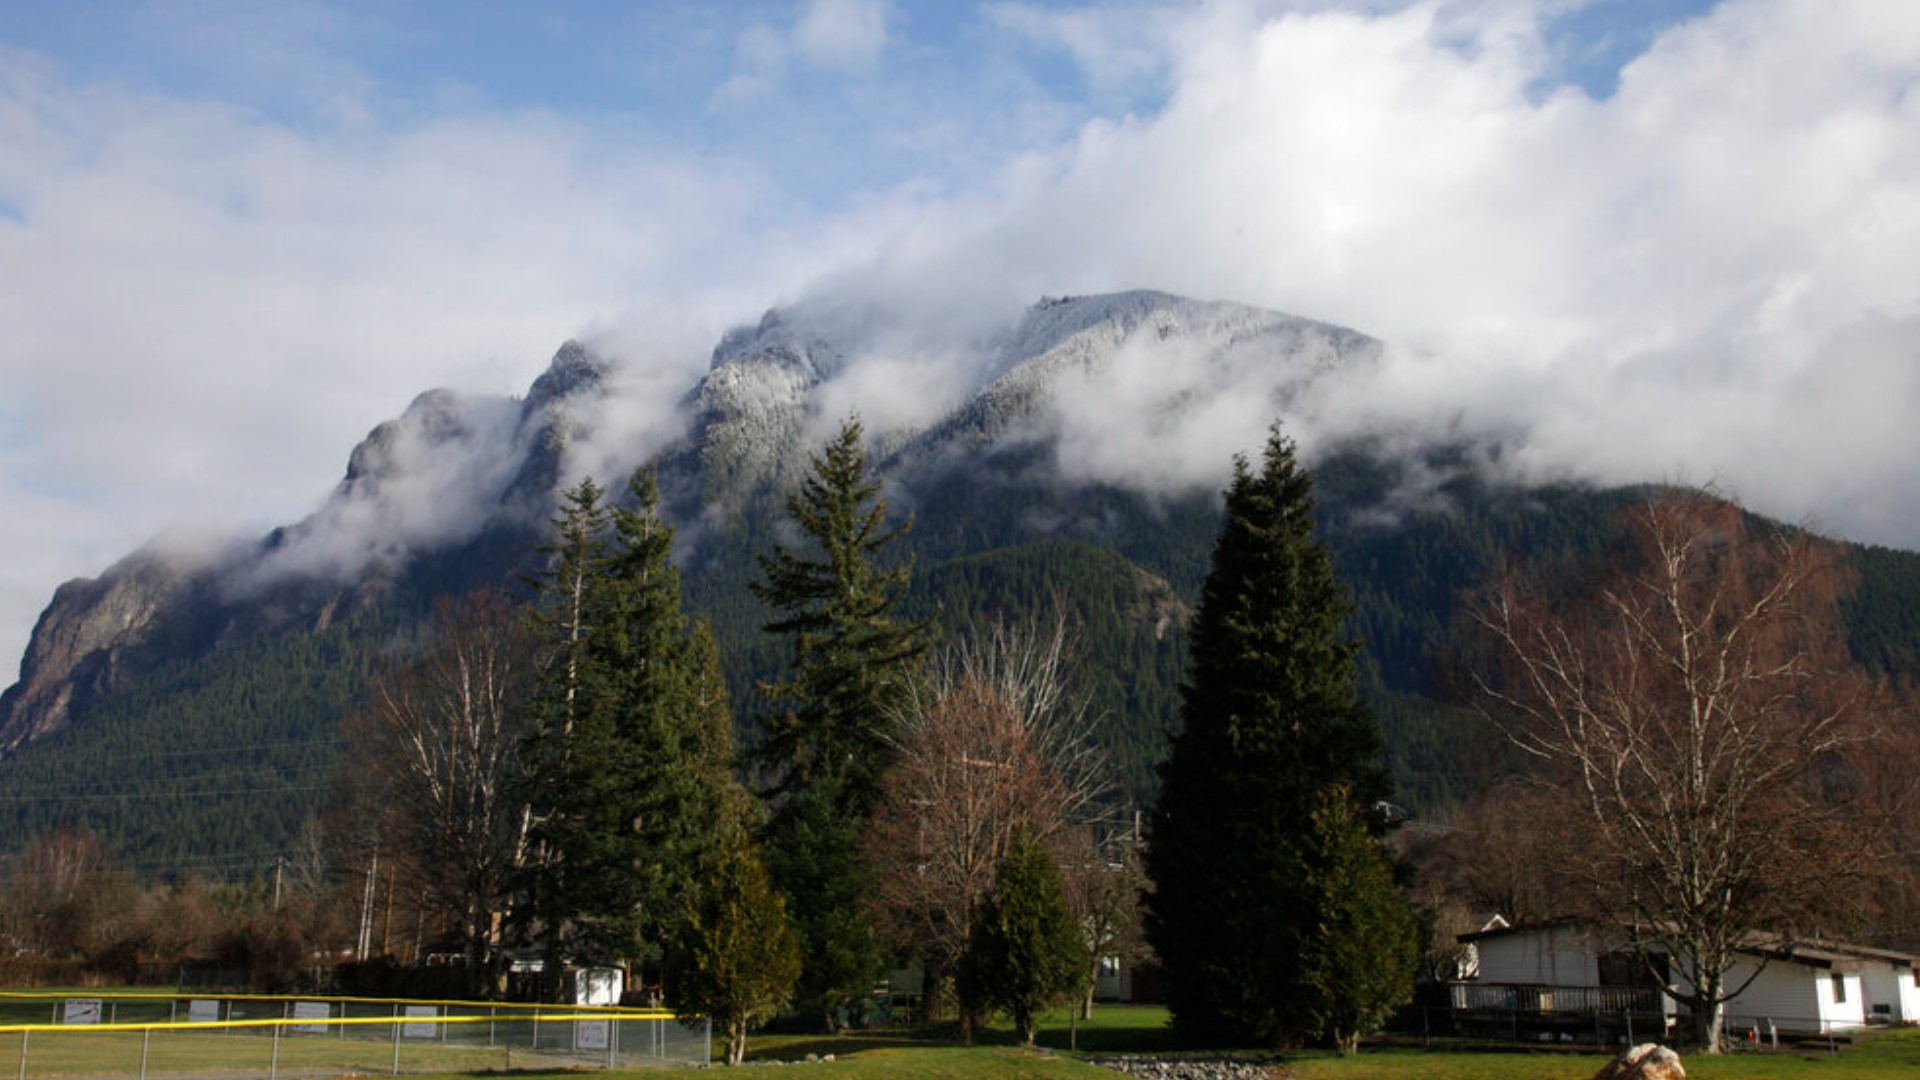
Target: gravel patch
1159,1068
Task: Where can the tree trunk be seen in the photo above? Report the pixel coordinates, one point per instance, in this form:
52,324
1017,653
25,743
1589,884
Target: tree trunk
736,1040
1704,1020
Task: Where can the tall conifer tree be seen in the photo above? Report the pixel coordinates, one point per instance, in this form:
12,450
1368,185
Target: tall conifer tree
627,773
1271,721
825,751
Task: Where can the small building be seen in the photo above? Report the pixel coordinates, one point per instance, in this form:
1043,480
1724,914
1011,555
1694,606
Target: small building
1575,981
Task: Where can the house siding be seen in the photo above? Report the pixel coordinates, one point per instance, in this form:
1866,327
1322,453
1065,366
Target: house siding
1555,956
1894,988
1786,994
1794,995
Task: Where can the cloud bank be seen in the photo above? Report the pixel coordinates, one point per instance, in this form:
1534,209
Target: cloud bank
1712,272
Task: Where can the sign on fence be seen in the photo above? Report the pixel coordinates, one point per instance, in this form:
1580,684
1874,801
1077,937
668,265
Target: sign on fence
203,1011
415,1030
590,1034
81,1011
312,1010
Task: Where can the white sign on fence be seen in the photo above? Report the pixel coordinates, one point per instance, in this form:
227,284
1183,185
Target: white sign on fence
203,1011
590,1034
81,1011
418,1030
312,1010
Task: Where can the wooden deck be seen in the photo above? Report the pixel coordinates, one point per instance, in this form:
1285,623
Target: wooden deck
1537,1013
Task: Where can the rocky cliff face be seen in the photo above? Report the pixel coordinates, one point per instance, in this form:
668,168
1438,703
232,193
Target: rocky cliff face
83,640
455,469
448,469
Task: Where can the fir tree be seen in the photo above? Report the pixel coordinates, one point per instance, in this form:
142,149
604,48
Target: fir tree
825,752
837,605
561,744
626,773
1271,721
1359,961
735,959
1026,951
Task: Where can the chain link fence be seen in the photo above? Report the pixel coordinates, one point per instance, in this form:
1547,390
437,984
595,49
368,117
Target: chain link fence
156,1035
1531,1024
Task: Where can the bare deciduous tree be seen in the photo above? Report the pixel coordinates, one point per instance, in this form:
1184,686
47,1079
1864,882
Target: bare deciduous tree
1506,851
440,740
991,748
1696,704
1104,879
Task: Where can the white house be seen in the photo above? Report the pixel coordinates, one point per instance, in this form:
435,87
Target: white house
1570,969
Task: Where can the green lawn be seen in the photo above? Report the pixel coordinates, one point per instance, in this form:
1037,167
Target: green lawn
910,1055
916,1054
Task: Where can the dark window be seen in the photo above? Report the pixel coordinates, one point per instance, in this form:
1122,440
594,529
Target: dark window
1839,989
1632,969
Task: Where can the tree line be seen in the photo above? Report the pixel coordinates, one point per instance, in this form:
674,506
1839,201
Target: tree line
557,780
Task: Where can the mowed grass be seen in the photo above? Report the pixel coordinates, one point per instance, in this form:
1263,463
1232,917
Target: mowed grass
118,1053
910,1055
916,1054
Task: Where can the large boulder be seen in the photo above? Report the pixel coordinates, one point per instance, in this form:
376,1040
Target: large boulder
1648,1061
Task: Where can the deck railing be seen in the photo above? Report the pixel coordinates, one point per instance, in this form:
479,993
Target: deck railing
1534,998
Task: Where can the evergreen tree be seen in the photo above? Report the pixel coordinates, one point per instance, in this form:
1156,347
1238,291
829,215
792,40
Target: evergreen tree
1271,721
561,743
1360,960
825,752
735,958
625,772
1026,951
837,605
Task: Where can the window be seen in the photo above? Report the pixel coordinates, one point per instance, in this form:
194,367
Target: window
1839,989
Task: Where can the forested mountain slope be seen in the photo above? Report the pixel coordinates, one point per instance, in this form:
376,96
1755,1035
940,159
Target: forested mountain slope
187,709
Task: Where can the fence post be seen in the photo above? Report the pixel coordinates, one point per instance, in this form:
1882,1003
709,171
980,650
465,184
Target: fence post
146,1040
396,1040
1629,1015
273,1065
24,1036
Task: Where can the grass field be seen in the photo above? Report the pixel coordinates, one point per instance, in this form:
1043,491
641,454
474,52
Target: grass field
909,1054
912,1055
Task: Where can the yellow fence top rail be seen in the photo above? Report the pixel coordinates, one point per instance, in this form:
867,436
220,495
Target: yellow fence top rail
317,1021
603,1011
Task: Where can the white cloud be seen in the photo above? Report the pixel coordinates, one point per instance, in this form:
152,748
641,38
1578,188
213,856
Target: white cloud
1634,288
1714,272
846,36
1114,45
206,310
842,35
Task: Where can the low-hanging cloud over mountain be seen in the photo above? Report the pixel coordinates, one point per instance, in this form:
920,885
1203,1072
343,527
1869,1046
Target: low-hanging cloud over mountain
1710,272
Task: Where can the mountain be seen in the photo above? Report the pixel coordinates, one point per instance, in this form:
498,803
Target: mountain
185,703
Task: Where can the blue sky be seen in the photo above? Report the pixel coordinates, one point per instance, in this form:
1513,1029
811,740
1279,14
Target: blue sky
942,95
1639,239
